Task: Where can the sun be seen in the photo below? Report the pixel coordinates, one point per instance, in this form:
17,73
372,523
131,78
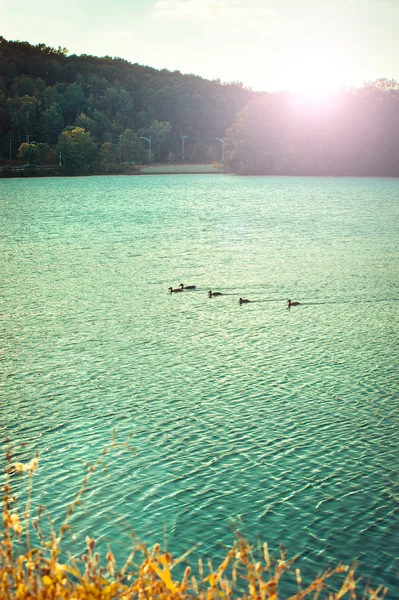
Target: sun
315,78
314,73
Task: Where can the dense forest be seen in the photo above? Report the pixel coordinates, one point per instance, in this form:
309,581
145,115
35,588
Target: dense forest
76,114
354,132
90,113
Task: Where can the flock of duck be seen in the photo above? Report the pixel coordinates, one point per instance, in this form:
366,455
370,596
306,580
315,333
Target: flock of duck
211,294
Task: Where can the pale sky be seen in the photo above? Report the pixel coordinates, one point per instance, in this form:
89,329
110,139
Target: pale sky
266,44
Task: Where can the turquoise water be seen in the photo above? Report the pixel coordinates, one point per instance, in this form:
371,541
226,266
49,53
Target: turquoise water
281,422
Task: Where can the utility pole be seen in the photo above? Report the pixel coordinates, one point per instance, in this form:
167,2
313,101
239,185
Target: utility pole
222,142
120,151
183,139
149,145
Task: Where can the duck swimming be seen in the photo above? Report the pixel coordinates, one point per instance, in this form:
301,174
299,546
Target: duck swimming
243,301
212,294
187,287
292,303
171,290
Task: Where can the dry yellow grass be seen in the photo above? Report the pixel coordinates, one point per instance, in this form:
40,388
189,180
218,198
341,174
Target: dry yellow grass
33,572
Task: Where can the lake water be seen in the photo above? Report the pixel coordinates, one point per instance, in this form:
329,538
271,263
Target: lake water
282,423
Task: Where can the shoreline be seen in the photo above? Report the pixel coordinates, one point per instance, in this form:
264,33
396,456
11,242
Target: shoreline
23,172
15,172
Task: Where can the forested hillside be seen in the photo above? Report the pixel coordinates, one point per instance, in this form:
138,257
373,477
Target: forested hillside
88,112
354,132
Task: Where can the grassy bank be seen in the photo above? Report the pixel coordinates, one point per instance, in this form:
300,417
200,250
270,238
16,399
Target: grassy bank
30,567
178,169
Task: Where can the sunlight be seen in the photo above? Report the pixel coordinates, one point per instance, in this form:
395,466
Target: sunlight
314,79
315,74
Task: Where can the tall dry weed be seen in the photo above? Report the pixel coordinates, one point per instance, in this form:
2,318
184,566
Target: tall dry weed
33,572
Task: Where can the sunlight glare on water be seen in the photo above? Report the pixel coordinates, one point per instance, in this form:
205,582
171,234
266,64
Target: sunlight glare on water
282,422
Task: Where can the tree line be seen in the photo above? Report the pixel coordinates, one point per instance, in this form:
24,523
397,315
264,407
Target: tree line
354,132
90,113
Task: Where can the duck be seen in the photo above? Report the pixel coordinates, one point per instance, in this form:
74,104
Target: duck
243,301
187,287
212,294
171,290
292,303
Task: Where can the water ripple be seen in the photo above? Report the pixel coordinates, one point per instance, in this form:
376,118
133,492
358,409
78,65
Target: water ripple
281,421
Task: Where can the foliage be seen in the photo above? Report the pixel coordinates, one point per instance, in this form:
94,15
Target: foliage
109,156
76,149
33,572
158,131
43,91
356,133
27,152
130,147
38,154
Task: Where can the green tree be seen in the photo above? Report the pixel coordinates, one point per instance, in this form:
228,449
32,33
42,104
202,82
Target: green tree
28,153
27,86
109,155
158,131
44,154
77,151
88,124
53,123
130,147
73,102
24,115
28,110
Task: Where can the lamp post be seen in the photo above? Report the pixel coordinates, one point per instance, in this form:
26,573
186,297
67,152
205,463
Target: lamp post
149,145
222,142
11,141
120,150
183,139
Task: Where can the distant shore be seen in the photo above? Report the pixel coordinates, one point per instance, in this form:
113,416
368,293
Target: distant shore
16,171
178,169
25,171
